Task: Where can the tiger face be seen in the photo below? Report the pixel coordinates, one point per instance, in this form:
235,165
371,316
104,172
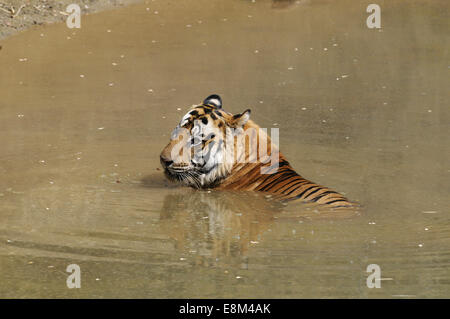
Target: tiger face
201,149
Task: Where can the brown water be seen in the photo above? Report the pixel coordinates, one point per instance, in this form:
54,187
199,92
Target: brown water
360,110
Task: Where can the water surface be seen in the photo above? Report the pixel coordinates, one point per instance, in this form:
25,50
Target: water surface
85,114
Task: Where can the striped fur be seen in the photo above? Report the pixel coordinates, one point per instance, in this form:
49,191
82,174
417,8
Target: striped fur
283,183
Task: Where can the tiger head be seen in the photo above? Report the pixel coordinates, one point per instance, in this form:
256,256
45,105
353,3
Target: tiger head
202,151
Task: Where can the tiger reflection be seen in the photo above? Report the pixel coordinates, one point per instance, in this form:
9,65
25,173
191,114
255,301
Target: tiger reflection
211,224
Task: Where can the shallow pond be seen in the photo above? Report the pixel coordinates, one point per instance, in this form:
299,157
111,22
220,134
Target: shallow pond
85,113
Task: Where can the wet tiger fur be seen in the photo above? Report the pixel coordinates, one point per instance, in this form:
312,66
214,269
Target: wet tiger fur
206,134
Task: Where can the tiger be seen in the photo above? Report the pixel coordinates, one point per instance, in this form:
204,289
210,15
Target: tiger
210,149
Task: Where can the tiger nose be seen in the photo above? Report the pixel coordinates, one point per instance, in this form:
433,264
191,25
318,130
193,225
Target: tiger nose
165,161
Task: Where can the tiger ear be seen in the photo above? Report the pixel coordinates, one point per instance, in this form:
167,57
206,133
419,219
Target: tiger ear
240,119
213,100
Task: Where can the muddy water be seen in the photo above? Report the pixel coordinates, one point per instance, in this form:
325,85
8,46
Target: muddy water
85,113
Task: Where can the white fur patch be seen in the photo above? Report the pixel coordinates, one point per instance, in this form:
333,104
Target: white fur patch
185,119
216,102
